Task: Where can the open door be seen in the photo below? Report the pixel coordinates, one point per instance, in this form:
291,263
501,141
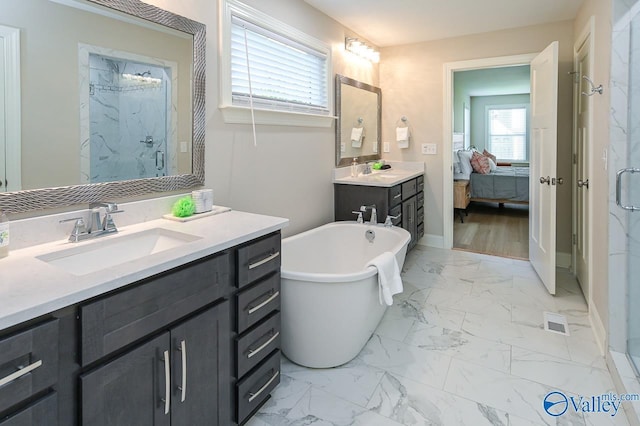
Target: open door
542,180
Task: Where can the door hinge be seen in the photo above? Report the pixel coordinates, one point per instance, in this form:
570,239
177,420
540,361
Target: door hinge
573,239
575,159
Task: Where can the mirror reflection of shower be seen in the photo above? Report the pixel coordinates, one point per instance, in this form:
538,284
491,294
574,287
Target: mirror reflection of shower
130,123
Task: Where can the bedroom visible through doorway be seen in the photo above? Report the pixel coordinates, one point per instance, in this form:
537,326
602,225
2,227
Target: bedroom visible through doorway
491,160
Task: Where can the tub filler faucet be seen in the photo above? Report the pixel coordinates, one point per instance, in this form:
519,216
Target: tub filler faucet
374,213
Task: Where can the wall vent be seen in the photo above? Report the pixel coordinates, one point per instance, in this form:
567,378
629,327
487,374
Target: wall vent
556,323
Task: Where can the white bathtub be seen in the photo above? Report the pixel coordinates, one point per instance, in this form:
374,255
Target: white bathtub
330,305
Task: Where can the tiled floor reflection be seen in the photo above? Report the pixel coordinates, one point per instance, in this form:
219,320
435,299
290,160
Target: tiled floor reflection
463,345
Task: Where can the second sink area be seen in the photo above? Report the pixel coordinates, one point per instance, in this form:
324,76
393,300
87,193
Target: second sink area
112,251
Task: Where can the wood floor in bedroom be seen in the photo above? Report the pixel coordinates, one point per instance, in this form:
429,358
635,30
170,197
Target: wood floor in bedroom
494,230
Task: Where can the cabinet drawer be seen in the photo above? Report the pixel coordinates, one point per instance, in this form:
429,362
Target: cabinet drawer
258,301
421,230
255,388
409,189
420,199
395,196
420,183
115,321
420,215
258,259
28,363
257,343
43,412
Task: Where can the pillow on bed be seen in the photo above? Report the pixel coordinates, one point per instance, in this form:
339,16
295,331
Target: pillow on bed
493,165
490,155
465,162
480,163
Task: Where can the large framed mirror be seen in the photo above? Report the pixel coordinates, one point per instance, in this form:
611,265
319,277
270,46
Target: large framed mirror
358,128
112,96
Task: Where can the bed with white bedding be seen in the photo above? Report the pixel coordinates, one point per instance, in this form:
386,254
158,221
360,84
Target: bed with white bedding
504,185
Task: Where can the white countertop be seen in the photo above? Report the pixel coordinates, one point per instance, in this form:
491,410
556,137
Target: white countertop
398,173
30,287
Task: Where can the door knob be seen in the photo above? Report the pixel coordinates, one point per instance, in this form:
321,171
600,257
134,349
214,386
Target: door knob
558,181
546,180
582,183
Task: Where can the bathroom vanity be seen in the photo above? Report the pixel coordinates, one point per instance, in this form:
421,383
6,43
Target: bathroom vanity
184,336
398,192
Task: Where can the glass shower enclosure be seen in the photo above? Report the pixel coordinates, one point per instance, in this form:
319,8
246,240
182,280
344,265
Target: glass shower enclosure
624,169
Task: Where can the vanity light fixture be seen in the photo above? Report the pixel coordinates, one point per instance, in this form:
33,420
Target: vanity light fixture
362,49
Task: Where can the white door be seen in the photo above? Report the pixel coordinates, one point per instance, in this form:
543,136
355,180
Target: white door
542,188
583,148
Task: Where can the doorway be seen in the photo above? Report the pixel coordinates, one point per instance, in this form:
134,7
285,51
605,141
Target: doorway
490,115
582,147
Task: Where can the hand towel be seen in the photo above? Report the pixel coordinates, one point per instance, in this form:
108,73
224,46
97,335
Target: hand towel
402,136
356,137
389,281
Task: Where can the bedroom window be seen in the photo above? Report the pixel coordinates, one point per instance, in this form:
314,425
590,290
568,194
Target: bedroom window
507,132
270,66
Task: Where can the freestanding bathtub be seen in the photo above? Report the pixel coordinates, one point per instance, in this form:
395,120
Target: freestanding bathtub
330,304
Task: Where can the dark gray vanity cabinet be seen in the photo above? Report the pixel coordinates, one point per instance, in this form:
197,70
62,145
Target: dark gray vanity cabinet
404,201
196,345
173,379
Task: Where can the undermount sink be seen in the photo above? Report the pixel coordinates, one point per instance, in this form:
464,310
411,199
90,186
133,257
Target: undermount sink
112,251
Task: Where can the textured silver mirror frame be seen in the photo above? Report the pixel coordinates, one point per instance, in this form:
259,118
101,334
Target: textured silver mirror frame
47,198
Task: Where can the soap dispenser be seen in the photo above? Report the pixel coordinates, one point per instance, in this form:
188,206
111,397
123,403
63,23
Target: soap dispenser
354,167
4,235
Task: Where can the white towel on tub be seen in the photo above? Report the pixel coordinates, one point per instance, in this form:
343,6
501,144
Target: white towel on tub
389,281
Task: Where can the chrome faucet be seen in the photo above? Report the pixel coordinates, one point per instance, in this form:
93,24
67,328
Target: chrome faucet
374,213
97,227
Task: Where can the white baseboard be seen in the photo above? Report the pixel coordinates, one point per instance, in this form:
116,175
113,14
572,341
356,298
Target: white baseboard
598,328
430,240
563,260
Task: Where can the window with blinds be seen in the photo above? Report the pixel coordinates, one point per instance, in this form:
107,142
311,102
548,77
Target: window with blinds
275,72
507,132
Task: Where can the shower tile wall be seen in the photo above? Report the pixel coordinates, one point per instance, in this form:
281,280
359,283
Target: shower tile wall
122,114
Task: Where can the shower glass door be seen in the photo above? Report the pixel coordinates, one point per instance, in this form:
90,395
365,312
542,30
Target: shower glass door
630,193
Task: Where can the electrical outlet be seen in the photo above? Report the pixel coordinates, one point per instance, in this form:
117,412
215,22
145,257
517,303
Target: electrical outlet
429,149
387,147
183,147
375,147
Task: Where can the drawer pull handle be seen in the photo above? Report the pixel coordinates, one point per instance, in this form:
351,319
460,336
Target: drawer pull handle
21,372
167,383
183,388
253,396
265,260
266,302
397,196
257,350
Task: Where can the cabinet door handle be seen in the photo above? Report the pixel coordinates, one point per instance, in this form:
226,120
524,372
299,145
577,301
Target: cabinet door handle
397,196
253,352
253,396
183,352
265,260
167,383
21,372
266,302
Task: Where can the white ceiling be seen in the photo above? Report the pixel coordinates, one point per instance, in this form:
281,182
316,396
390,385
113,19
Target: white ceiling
396,22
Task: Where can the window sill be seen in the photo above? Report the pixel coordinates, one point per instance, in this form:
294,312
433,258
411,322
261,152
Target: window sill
240,115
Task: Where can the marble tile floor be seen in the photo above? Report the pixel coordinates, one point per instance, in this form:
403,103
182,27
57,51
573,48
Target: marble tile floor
463,345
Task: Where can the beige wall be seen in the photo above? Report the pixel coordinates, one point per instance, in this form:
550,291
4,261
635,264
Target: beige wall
412,78
289,173
598,181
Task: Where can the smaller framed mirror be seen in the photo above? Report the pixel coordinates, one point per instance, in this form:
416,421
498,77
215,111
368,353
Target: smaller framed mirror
358,129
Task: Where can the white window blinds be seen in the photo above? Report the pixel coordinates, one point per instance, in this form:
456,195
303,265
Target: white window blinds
285,75
508,133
